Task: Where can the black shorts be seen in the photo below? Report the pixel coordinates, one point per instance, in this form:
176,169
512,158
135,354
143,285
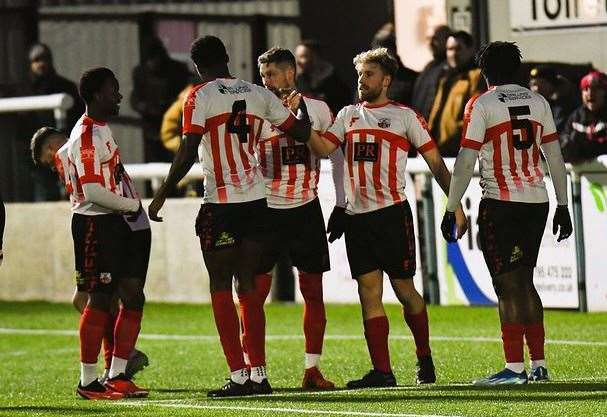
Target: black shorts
383,239
301,233
106,250
221,226
510,233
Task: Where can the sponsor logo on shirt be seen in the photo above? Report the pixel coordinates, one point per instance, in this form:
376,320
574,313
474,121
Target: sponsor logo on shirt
224,89
296,154
366,152
513,96
384,123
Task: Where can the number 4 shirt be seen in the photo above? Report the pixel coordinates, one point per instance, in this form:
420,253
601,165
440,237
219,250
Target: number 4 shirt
377,141
508,124
229,114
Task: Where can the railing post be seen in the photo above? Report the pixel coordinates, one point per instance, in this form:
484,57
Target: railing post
431,277
578,234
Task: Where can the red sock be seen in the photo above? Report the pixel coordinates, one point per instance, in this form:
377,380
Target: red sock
418,323
534,333
376,333
512,336
314,319
92,327
263,283
254,323
108,341
128,324
226,321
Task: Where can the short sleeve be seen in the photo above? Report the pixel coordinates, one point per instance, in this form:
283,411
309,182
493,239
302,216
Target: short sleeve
194,116
324,117
475,125
549,133
337,132
87,155
276,112
417,132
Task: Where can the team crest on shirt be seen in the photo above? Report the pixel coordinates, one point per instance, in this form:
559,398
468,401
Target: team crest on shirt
384,123
105,277
353,120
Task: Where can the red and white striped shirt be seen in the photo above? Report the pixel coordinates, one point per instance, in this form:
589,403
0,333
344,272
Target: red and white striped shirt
229,114
378,139
290,170
92,156
508,124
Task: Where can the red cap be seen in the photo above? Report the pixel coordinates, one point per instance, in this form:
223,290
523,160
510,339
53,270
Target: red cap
594,78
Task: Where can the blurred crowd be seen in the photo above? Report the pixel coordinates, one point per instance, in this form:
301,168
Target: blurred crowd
439,93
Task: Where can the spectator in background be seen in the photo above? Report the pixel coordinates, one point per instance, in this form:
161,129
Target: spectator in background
545,81
460,81
42,80
401,89
585,134
317,77
157,81
426,84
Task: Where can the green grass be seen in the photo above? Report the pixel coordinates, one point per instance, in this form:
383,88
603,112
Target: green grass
38,374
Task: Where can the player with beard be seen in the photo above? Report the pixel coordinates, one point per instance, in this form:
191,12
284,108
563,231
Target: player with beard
377,134
291,175
111,250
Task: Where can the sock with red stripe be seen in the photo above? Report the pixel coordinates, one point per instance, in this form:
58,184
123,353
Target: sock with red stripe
535,335
376,334
314,318
226,321
512,337
108,341
128,325
92,328
254,323
418,323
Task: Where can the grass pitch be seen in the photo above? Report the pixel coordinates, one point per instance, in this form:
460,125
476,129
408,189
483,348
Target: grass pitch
39,365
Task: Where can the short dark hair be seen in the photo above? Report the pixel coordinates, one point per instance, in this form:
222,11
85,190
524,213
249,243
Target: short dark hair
39,140
92,80
208,51
463,36
277,55
499,61
313,45
379,56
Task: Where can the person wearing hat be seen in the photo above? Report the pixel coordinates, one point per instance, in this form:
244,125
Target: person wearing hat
43,79
545,81
585,134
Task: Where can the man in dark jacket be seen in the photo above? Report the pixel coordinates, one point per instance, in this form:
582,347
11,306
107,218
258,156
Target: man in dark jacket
585,134
157,82
42,80
401,89
426,84
545,81
317,77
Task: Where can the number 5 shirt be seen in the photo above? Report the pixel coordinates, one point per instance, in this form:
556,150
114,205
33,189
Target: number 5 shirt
229,114
507,125
377,141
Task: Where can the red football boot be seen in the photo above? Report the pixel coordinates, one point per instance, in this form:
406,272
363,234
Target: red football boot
96,391
125,386
313,380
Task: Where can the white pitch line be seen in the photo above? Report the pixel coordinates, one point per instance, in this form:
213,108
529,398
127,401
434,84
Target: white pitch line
281,410
213,338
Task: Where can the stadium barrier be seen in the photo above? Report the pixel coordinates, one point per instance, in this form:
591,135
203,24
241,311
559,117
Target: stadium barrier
59,103
39,259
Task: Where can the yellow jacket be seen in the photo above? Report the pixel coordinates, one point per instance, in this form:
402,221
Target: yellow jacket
170,130
452,117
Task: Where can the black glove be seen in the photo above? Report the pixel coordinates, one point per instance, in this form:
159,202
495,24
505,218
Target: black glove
563,221
132,217
337,223
447,226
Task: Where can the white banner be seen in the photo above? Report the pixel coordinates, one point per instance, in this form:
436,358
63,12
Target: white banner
556,14
338,285
594,215
462,272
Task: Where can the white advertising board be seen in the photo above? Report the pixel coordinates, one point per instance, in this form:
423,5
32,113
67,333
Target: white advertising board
462,272
556,14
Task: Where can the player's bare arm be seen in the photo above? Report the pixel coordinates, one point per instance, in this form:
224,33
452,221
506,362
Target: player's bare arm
443,178
184,159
